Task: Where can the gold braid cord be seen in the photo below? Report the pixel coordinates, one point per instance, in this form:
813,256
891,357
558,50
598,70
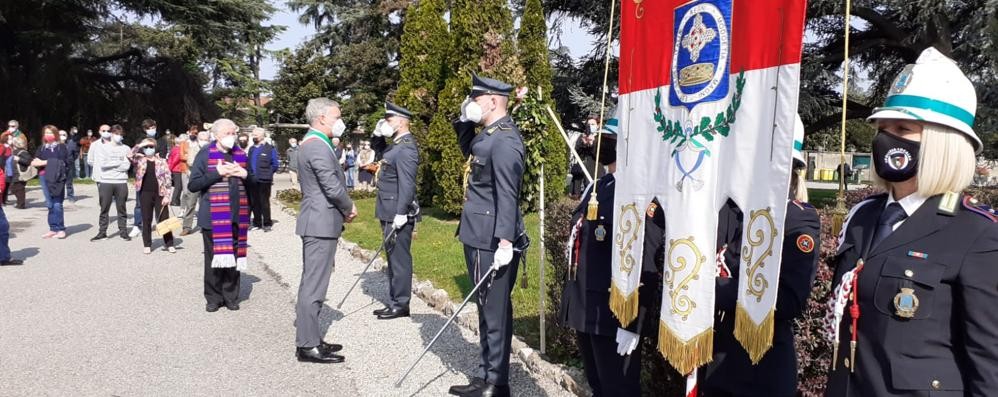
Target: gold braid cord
756,339
689,355
623,305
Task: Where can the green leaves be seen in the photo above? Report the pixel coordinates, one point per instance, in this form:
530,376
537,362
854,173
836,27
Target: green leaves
672,131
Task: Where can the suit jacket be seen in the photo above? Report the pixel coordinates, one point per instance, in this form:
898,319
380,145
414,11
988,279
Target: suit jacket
492,198
776,373
397,180
325,202
585,298
201,181
947,255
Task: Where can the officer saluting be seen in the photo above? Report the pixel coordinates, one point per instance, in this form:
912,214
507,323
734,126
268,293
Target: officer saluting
916,280
396,206
585,299
491,223
732,373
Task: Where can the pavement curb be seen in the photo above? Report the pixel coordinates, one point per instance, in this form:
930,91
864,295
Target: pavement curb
570,379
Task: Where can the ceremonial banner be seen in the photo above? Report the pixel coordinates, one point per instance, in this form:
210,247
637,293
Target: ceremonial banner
708,100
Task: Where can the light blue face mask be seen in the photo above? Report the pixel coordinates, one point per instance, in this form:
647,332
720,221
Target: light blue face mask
151,132
149,151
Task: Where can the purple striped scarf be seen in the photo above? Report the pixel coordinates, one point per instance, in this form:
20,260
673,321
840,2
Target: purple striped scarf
229,251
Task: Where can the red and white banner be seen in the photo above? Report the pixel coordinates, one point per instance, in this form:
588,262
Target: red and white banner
708,99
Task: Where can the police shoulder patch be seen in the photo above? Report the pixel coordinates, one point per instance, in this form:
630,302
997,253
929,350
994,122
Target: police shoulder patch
971,204
805,243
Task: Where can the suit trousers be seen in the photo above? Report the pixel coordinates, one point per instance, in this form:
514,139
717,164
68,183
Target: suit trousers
261,204
604,367
495,313
221,286
189,205
399,265
152,206
118,193
319,256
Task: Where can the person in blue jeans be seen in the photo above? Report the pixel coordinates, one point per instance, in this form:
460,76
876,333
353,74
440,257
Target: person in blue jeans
52,160
5,258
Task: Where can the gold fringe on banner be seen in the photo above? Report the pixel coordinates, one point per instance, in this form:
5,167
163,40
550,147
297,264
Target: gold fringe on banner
756,339
624,307
685,356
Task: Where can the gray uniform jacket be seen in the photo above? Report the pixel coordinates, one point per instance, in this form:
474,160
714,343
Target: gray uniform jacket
491,202
325,201
397,179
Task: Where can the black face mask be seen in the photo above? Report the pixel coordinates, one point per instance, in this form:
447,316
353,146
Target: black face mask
608,151
895,159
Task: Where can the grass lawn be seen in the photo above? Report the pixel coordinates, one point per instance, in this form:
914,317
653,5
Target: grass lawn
822,198
439,257
36,182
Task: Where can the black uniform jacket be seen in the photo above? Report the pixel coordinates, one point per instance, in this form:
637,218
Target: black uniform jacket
397,180
776,373
585,299
947,256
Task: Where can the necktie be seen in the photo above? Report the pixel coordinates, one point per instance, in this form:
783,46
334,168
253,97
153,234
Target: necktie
893,214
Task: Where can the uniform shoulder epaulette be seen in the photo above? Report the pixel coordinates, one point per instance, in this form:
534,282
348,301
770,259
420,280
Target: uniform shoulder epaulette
971,204
803,205
505,125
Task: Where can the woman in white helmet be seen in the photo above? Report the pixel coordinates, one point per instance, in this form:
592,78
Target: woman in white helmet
916,278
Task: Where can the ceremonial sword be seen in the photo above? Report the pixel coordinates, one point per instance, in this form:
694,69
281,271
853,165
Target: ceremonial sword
384,244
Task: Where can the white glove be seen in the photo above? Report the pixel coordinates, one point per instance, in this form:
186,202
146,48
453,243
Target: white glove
627,341
503,256
464,105
400,220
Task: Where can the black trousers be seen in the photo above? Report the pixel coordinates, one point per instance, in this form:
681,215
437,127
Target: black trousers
495,313
106,193
152,204
261,204
605,368
178,188
6,189
221,286
399,265
18,189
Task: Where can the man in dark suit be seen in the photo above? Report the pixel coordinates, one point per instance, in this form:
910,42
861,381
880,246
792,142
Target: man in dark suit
585,300
396,205
491,222
325,208
263,164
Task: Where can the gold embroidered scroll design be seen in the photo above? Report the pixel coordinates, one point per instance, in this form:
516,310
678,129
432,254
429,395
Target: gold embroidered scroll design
682,304
760,222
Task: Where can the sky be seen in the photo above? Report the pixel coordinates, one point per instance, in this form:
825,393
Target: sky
578,41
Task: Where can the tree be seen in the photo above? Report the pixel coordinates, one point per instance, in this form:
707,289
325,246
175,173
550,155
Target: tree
545,144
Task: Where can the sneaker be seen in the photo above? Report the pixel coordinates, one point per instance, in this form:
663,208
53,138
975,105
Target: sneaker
135,231
186,232
99,237
61,235
171,250
49,235
255,228
147,250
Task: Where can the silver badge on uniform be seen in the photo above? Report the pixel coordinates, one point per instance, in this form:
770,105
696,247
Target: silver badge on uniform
906,303
600,233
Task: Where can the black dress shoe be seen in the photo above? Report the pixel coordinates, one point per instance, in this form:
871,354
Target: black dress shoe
330,347
232,306
491,390
466,390
317,355
211,307
124,236
12,262
381,311
99,237
394,313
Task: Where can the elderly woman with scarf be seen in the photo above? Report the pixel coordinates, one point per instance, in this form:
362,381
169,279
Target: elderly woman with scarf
219,174
155,187
52,161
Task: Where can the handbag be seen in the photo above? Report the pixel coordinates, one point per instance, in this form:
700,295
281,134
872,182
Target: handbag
169,225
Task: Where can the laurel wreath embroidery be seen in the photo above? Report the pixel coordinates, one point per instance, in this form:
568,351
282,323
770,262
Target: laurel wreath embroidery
672,130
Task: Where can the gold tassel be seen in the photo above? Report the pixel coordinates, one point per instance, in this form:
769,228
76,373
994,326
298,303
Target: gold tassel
756,339
593,206
624,307
839,214
689,355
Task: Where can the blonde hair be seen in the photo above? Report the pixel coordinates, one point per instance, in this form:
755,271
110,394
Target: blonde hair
800,192
946,162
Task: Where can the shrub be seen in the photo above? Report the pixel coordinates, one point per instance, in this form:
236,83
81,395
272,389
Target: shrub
289,195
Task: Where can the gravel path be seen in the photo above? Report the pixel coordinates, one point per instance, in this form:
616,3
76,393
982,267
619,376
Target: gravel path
82,318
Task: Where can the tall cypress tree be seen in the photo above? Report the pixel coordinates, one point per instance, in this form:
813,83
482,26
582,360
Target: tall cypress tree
424,49
532,43
482,43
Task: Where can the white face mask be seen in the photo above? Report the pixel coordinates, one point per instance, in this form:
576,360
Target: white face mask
338,128
294,144
62,138
593,128
473,112
116,138
228,142
385,129
149,151
151,132
105,135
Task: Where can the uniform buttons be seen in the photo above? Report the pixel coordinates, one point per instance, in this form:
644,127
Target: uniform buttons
936,384
909,273
847,363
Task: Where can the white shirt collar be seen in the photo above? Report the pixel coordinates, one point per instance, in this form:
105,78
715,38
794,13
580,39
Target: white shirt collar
911,203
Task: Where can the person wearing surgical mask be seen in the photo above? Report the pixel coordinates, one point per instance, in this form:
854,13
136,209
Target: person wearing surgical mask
585,146
220,176
72,145
52,161
292,158
189,200
154,184
109,158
